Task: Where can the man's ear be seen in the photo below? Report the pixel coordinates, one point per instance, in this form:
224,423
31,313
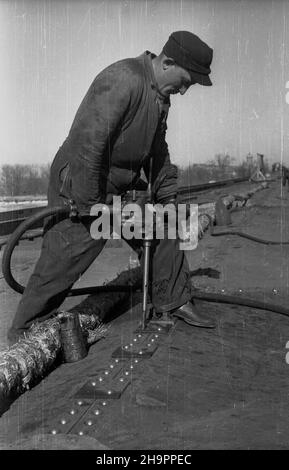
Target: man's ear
168,62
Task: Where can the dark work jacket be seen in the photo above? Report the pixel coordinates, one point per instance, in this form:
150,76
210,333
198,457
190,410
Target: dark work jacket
120,123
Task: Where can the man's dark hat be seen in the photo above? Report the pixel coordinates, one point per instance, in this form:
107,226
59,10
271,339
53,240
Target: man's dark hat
191,53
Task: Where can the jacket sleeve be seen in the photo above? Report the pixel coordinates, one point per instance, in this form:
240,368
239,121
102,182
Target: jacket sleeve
164,174
97,121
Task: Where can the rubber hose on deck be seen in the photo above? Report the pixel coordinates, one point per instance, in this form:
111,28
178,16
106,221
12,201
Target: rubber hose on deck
249,237
235,300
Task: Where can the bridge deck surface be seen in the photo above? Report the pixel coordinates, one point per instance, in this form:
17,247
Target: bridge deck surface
201,389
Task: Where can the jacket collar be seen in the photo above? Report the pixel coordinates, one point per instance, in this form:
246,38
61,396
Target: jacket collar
148,56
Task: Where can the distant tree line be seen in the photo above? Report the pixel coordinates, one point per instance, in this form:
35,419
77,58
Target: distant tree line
24,180
28,180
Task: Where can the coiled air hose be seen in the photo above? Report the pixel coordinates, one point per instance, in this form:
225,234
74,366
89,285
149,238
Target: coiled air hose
66,211
28,224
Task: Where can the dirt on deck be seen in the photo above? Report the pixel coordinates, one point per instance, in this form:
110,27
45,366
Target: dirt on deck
226,388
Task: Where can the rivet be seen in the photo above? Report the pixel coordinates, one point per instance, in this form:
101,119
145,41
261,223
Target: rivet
89,423
156,336
116,360
126,372
93,384
149,345
126,346
96,412
152,340
135,339
139,336
136,361
80,433
240,290
109,392
106,372
275,291
53,431
111,366
223,290
100,379
121,379
72,412
104,403
63,421
159,329
131,367
131,345
79,402
140,352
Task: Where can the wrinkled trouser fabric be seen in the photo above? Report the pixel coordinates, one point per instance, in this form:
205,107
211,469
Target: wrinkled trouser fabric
67,252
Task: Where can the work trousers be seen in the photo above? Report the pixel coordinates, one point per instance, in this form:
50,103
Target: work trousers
67,252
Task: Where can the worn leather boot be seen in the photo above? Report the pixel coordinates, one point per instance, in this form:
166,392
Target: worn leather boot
189,314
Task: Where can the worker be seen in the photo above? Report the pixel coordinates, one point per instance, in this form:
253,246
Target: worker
119,126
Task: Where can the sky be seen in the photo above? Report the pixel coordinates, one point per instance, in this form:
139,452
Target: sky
51,50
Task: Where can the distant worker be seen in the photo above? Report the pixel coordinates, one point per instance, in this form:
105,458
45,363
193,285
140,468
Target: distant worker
119,126
285,176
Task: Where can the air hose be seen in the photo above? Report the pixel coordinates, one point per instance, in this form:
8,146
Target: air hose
17,234
68,212
249,237
236,300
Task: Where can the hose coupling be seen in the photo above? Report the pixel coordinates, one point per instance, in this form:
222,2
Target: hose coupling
73,211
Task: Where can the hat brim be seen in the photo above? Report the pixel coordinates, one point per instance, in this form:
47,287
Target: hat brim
200,78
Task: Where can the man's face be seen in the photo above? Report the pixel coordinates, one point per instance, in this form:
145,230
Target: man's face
175,80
